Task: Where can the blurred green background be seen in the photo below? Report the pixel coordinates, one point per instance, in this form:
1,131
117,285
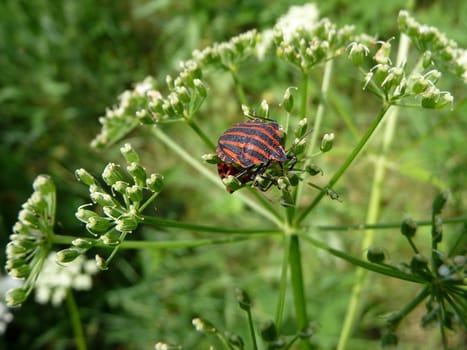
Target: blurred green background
63,62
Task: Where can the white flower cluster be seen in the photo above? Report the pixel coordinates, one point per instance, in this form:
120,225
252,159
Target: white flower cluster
298,18
55,279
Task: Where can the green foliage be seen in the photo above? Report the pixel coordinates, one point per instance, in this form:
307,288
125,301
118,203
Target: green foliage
309,253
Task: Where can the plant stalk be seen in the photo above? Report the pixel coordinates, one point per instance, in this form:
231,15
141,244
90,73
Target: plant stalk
374,207
80,341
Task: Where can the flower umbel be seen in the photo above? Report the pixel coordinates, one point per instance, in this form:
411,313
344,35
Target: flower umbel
130,190
31,239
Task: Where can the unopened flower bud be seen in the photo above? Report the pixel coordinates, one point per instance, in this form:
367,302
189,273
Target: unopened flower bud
243,299
126,224
408,227
430,97
375,255
301,127
29,217
264,109
120,186
155,182
389,339
381,72
129,153
85,177
135,193
268,331
200,87
439,202
101,198
21,271
211,158
460,260
183,94
327,142
232,183
16,296
427,59
98,224
112,174
138,173
444,270
382,55
236,341
357,53
82,244
112,212
445,99
287,100
314,170
419,84
111,238
247,111
176,103
418,263
83,215
144,117
203,325
67,255
283,183
44,185
100,262
437,229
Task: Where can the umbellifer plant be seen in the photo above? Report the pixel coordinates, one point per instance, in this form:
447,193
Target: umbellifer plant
284,190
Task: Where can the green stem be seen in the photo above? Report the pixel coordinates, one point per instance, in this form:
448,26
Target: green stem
353,155
296,275
151,220
201,134
318,119
80,341
182,153
238,87
409,307
115,249
304,98
374,207
457,220
252,330
381,269
66,240
283,283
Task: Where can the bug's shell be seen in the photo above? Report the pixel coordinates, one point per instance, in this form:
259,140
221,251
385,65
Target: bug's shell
251,143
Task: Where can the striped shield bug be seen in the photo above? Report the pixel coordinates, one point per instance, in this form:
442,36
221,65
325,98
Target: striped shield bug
248,150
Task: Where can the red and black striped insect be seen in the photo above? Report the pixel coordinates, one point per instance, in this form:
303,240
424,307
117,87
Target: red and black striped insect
248,149
251,143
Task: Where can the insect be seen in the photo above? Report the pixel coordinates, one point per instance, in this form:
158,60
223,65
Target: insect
248,149
251,143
